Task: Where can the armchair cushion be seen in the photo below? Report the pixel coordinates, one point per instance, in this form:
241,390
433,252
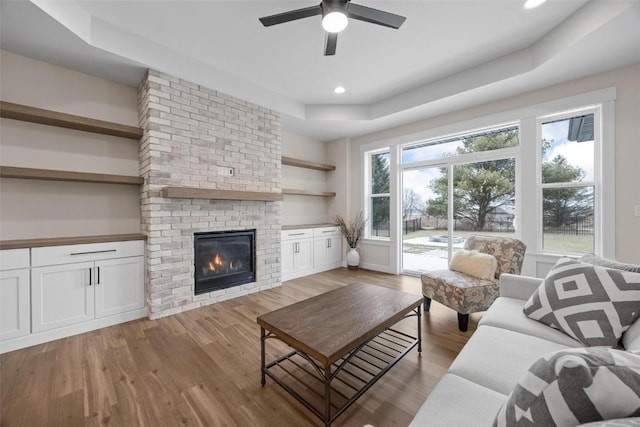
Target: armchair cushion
508,252
459,291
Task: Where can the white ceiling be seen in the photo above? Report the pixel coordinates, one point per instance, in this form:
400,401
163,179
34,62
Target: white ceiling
449,54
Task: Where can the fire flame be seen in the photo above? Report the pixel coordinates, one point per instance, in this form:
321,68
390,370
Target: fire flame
215,263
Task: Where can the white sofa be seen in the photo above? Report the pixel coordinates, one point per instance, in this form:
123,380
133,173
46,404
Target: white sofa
500,351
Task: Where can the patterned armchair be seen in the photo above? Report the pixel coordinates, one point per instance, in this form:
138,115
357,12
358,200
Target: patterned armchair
467,294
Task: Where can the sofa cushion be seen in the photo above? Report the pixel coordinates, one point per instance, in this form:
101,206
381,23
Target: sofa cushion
457,401
592,304
594,259
631,338
507,313
474,263
576,386
496,358
618,422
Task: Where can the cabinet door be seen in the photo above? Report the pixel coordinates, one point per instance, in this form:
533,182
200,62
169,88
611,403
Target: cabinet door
304,255
119,285
15,314
288,254
61,295
321,251
334,254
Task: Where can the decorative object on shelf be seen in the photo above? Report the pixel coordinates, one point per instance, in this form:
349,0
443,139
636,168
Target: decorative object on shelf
352,232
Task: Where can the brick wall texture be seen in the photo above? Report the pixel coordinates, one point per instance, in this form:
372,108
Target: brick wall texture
190,131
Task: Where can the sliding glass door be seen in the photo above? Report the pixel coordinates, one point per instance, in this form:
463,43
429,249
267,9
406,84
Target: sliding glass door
424,219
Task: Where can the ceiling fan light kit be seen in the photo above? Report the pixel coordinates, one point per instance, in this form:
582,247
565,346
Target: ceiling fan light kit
334,22
335,17
532,4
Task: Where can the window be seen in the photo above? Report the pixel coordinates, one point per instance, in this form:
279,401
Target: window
568,190
379,201
543,173
479,141
455,187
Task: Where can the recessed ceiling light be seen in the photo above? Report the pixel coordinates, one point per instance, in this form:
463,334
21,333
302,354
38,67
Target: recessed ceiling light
532,4
339,89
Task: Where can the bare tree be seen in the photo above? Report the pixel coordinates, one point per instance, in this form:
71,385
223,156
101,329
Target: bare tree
411,203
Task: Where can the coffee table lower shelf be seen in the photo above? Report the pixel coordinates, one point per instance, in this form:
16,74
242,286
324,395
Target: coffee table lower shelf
329,391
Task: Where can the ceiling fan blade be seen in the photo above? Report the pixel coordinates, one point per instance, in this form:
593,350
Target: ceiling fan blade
330,44
291,15
375,16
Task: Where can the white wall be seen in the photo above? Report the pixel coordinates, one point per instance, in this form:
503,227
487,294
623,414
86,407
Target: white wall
40,209
627,153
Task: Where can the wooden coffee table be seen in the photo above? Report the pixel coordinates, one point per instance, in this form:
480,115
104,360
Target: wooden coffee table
343,341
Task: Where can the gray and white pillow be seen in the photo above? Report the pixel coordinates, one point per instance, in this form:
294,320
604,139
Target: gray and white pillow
595,305
609,263
575,386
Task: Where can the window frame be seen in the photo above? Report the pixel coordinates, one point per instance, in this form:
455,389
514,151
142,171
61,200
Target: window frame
369,196
596,183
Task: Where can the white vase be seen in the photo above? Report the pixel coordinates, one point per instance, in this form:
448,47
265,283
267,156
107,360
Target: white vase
353,259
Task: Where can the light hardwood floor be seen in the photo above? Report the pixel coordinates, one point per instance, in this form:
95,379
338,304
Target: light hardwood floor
201,368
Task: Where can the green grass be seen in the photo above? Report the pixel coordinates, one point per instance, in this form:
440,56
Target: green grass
465,234
560,243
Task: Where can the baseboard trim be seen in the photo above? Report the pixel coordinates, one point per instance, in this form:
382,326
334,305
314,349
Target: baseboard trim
67,331
376,267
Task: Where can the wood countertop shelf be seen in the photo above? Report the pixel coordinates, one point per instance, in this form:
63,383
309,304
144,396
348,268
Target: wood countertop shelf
26,113
294,192
58,175
77,240
290,161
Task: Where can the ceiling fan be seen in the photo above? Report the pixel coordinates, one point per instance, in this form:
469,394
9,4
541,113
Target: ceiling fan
335,14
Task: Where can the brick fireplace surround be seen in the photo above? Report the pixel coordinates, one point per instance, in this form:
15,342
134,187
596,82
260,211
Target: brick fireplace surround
190,131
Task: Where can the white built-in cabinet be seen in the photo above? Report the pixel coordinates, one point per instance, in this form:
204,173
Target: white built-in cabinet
310,250
72,289
15,318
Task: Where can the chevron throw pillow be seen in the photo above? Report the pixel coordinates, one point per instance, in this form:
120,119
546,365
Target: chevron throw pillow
592,304
575,386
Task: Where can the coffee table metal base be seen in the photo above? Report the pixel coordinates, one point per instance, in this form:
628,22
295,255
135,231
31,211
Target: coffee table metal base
327,391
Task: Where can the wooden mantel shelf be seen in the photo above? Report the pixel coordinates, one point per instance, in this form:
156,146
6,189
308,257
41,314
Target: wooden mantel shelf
58,175
212,194
293,192
26,113
290,161
77,240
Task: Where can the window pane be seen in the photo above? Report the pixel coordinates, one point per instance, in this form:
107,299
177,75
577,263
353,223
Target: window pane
567,150
380,173
488,140
484,198
424,219
568,219
379,217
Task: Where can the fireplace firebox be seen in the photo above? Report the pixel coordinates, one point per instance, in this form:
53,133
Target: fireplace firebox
224,259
